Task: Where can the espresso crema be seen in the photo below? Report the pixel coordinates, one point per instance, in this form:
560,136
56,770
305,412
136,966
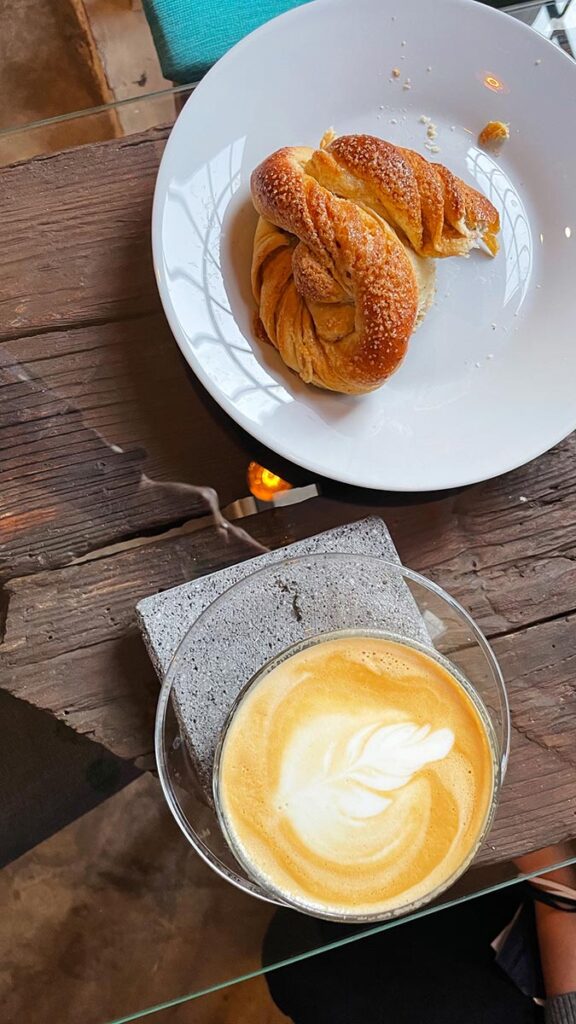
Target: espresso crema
356,776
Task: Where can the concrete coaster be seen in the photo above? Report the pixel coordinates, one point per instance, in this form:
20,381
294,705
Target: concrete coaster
201,699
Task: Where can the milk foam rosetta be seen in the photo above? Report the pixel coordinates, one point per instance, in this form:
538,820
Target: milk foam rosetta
356,776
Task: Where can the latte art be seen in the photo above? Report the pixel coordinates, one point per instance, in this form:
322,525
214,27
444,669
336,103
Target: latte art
356,776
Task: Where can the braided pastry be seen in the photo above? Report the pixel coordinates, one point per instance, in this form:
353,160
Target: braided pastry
341,269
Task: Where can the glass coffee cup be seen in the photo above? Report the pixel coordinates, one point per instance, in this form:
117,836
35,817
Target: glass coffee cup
270,616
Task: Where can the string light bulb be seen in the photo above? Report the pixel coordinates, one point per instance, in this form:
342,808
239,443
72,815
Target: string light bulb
264,484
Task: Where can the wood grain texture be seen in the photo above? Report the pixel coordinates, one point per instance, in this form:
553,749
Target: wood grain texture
506,548
102,436
71,646
103,430
76,236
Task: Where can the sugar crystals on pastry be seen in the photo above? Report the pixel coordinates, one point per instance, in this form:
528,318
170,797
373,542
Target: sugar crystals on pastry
343,261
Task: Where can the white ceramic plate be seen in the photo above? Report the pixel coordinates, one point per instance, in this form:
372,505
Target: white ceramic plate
489,381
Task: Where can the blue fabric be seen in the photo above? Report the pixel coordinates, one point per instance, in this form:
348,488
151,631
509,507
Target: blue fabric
191,35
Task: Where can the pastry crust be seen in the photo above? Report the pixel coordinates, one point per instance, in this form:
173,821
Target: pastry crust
341,268
494,131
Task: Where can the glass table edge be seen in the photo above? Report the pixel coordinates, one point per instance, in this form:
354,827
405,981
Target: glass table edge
338,943
513,9
103,108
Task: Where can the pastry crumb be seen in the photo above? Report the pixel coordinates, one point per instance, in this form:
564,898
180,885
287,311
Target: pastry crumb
431,148
393,120
493,326
407,84
424,119
395,72
523,498
403,43
539,61
327,138
431,131
429,68
494,131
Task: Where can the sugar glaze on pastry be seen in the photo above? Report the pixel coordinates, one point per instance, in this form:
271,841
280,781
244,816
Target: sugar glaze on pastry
343,262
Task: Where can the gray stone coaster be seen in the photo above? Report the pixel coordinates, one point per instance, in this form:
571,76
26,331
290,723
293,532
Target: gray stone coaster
203,693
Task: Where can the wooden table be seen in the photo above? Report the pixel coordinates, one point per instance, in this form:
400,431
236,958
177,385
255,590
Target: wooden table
103,435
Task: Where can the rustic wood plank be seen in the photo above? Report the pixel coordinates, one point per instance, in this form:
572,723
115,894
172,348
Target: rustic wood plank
524,552
506,548
71,646
71,399
103,434
54,613
541,665
76,235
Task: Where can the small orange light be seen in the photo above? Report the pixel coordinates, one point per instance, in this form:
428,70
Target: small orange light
495,84
264,484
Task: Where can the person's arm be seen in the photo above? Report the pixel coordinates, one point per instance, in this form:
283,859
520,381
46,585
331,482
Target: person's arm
556,938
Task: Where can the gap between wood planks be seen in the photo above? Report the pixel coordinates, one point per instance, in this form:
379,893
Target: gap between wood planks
36,332
531,736
533,622
450,569
230,517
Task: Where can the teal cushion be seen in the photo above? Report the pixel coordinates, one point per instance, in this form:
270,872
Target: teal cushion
190,35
